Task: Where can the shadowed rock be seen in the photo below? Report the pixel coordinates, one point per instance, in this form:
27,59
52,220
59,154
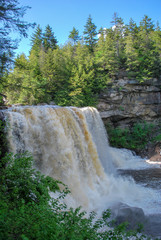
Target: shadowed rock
135,216
125,101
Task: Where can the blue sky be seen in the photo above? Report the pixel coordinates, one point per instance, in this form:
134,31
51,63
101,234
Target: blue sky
63,15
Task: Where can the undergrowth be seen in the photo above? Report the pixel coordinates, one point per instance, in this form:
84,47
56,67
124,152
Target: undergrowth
135,137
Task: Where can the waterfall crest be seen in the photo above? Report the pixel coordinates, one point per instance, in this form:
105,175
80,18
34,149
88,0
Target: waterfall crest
71,144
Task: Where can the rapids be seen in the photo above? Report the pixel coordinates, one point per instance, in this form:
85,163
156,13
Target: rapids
71,144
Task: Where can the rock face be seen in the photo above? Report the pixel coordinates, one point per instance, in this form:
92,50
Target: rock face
123,213
134,216
154,152
126,101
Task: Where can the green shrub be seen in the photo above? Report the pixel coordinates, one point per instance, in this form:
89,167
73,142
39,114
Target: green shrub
157,138
135,137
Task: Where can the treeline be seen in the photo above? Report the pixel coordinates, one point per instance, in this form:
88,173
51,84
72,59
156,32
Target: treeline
74,74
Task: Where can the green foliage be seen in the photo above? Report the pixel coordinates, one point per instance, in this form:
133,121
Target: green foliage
27,210
134,138
74,74
74,35
90,34
49,40
118,38
157,138
142,55
40,40
36,40
25,196
11,20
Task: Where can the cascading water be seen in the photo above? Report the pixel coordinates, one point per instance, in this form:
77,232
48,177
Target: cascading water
71,144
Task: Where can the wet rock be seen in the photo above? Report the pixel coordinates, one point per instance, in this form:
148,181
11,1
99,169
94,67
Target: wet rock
153,226
154,152
149,177
133,215
3,107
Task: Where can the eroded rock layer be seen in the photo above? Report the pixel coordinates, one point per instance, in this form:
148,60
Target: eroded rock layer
126,101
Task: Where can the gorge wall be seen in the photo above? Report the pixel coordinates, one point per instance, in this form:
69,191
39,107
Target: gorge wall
126,101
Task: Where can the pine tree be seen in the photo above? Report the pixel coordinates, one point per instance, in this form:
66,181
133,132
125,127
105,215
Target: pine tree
90,34
83,81
149,60
74,35
146,25
100,46
146,29
112,60
49,40
156,36
118,39
36,43
18,81
131,48
132,56
132,28
11,19
36,40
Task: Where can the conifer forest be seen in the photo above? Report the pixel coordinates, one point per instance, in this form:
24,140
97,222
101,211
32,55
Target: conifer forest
76,72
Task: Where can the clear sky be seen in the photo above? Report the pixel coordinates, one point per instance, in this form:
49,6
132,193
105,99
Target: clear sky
63,15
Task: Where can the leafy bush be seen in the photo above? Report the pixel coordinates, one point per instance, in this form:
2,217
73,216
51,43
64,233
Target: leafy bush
27,210
157,138
132,138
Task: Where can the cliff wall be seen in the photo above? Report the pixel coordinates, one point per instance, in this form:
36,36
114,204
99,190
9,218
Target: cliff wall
126,101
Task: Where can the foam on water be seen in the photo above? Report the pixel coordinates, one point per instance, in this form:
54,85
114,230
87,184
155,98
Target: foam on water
126,159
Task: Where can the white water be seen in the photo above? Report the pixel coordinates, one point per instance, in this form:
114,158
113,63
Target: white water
71,144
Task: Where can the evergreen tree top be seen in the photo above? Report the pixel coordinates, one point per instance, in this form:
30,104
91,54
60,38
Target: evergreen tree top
74,35
90,33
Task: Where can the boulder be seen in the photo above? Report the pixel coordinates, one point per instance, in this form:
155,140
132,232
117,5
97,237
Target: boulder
154,152
124,213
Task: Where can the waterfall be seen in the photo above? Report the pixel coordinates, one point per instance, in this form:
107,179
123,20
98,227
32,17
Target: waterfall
70,144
